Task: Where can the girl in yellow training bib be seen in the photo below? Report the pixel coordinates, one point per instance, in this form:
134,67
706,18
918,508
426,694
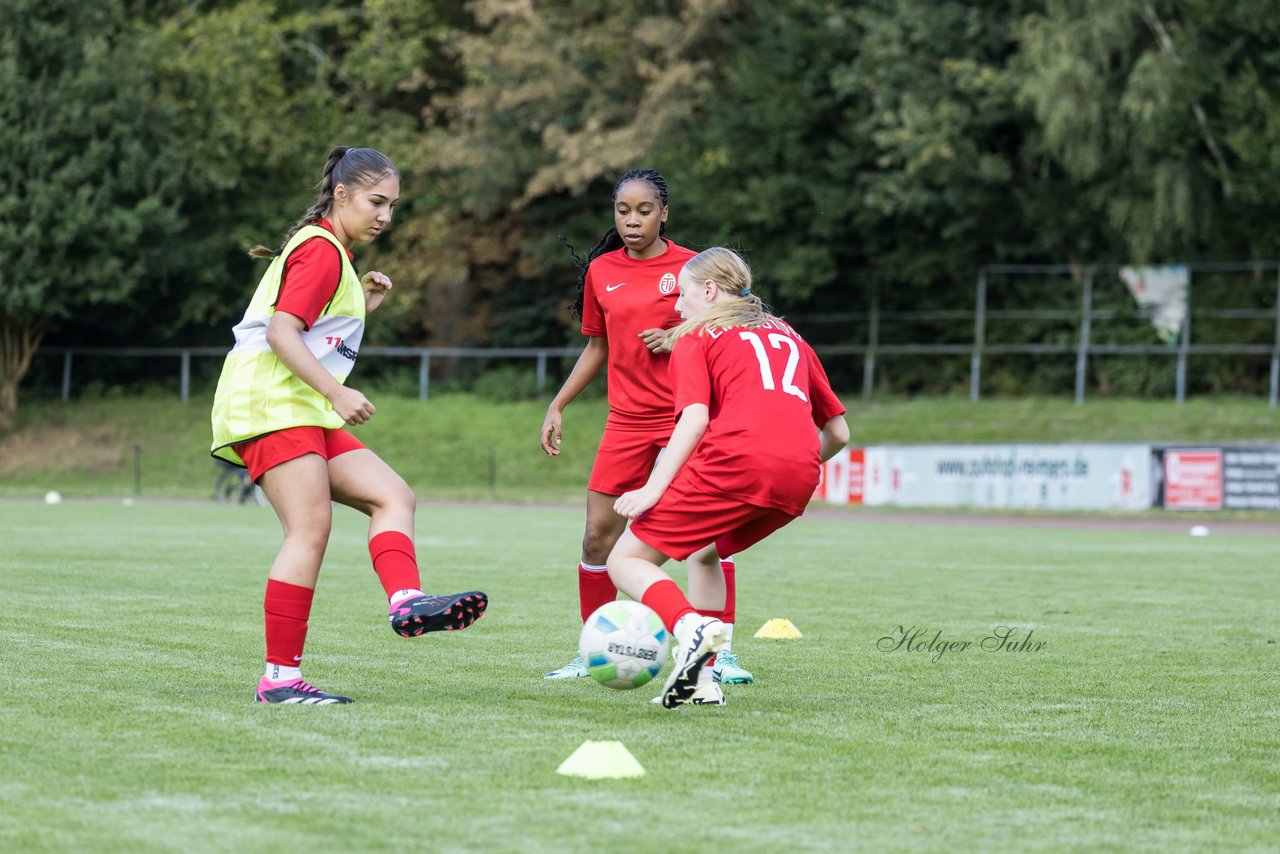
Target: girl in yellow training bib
281,410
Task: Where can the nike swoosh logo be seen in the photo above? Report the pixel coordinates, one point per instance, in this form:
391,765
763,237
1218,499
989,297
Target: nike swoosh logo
612,288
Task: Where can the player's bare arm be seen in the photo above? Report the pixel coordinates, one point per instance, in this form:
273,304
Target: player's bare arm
589,364
835,435
375,286
284,334
688,433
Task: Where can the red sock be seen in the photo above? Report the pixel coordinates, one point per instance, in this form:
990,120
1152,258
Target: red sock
286,608
667,601
395,561
730,590
595,588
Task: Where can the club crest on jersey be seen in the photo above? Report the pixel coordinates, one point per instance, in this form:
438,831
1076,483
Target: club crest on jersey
667,284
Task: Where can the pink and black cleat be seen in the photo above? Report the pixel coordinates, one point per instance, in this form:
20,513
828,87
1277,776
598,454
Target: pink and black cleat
296,692
449,613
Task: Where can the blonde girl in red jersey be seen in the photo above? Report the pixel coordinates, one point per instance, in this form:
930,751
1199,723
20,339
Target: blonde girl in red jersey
757,417
626,300
281,409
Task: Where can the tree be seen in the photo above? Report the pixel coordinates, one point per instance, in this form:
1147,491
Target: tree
258,92
262,94
1231,69
559,99
847,137
852,142
88,190
1121,112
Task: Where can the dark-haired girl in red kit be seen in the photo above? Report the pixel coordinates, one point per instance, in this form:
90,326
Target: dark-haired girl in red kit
626,299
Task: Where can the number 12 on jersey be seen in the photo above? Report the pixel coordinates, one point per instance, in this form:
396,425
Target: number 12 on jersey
777,341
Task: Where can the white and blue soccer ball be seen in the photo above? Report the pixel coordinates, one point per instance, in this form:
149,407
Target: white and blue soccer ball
624,644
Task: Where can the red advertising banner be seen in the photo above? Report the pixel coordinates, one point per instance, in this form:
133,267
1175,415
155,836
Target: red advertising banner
856,473
841,478
820,492
1193,479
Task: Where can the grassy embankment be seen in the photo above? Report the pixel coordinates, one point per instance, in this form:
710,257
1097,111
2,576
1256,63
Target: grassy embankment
463,447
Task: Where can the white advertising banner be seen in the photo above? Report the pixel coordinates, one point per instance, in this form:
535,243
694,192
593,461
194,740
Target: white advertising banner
1056,477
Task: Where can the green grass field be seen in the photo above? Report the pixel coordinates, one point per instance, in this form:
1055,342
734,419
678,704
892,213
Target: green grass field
131,635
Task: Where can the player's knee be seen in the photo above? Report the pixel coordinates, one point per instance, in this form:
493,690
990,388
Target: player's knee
597,543
312,537
706,558
404,496
394,494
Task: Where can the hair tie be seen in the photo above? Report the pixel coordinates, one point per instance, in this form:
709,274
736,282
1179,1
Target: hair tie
745,292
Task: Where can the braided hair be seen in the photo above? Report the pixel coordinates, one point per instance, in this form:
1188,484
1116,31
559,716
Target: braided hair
354,167
611,240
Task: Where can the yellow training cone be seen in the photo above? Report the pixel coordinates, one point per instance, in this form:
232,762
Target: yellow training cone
597,760
779,629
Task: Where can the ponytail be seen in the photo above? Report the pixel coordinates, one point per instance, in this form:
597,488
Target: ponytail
737,305
608,242
354,167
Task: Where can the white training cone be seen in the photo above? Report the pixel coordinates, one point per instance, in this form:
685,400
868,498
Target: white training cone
598,760
1199,531
779,629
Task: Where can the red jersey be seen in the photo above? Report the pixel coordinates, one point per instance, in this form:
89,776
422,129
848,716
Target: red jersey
623,297
765,391
310,278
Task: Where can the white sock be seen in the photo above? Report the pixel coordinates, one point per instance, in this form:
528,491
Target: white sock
728,637
401,595
282,673
683,624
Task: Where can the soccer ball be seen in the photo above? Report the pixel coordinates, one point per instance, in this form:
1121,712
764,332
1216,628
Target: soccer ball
623,644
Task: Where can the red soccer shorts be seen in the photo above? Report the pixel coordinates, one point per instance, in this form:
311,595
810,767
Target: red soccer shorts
625,457
261,455
685,519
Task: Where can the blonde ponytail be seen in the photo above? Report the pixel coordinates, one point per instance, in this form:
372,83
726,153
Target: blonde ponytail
736,306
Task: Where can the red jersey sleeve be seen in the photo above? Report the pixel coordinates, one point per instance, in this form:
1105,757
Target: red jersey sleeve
310,279
822,400
690,372
592,314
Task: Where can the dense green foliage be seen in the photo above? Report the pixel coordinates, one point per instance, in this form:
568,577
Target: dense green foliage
904,142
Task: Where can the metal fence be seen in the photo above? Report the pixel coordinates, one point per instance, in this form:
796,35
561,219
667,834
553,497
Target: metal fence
978,349
184,355
1082,316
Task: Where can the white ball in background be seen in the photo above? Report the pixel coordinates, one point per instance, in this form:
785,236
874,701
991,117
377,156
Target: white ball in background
53,497
1199,531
